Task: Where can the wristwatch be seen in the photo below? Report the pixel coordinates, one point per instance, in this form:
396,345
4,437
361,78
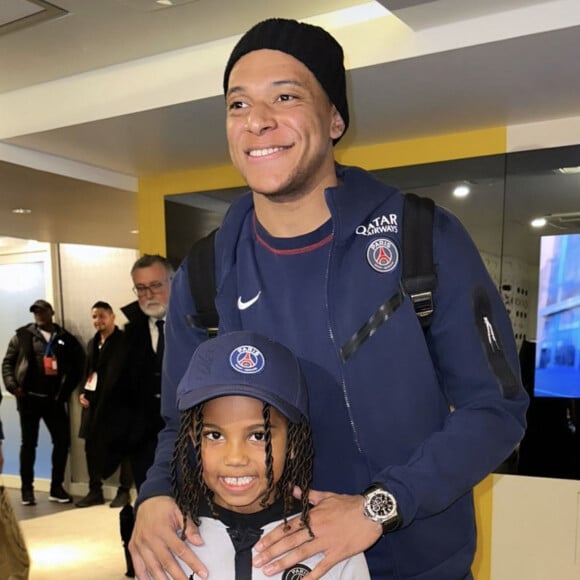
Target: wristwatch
381,507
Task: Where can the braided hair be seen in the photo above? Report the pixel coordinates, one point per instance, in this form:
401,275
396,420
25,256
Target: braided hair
189,485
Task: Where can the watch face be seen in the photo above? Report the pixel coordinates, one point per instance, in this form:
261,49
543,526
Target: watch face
381,504
381,507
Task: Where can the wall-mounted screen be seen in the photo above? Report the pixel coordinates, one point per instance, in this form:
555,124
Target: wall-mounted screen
557,370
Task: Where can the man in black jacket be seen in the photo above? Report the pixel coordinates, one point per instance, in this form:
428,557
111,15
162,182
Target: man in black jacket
140,419
106,353
42,367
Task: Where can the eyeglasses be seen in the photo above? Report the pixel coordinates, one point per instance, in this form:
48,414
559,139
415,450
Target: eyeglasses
153,288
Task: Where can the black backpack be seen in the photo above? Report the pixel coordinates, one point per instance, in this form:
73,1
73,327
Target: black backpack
418,277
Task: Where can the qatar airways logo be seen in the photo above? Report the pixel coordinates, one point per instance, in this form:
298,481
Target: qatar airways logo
380,225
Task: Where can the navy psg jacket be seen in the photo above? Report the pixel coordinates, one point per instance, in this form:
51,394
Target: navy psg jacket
428,416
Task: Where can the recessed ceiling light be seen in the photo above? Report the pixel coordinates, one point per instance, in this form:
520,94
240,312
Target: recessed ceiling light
134,232
569,170
22,210
539,222
461,191
164,2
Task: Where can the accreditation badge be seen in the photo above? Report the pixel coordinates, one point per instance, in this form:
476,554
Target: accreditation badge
91,384
50,365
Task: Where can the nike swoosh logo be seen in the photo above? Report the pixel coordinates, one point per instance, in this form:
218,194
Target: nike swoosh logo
244,305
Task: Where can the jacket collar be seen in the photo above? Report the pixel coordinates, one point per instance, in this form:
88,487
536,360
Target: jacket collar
356,198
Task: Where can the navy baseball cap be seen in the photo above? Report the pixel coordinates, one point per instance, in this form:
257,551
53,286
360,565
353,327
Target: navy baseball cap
248,364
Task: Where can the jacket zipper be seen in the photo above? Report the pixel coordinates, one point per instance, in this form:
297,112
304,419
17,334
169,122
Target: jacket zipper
337,351
491,339
497,359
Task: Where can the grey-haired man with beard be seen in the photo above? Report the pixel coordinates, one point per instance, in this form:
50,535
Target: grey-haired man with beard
151,275
139,410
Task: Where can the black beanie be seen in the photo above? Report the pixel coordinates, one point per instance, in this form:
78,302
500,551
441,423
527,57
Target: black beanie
311,45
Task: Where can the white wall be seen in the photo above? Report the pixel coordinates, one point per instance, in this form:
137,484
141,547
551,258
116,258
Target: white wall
89,274
75,277
536,528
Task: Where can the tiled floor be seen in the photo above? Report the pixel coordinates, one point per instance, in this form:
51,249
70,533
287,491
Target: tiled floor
69,542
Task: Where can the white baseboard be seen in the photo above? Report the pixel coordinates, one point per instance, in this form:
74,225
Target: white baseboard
12,481
77,489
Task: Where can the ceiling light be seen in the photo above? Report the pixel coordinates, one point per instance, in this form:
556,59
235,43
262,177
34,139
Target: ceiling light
21,210
569,170
134,232
461,191
164,2
539,222
560,221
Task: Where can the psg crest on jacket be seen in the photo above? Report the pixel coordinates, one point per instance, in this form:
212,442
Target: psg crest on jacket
382,255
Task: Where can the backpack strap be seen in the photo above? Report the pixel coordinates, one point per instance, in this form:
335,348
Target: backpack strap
419,278
202,283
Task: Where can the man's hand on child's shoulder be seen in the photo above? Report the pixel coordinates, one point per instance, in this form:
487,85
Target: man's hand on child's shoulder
340,531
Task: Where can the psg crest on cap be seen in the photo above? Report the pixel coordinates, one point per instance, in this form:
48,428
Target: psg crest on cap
247,359
382,255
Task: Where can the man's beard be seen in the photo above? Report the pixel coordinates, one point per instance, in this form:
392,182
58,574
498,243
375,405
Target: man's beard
291,190
154,309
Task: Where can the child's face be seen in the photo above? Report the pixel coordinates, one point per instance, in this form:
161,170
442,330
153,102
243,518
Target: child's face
233,451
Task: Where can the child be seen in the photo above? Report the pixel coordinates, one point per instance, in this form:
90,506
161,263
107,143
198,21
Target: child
244,407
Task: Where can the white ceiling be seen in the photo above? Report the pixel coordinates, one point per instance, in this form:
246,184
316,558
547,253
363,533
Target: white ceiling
117,89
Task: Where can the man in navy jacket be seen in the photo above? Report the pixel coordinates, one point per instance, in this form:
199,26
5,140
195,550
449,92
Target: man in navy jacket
404,424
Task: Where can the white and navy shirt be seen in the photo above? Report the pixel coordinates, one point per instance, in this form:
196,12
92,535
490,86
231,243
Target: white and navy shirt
154,332
227,551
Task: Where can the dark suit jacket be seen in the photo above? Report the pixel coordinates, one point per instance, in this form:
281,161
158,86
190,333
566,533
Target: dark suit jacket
138,415
109,364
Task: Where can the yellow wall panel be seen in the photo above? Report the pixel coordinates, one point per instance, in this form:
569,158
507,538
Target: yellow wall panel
426,150
151,220
483,497
153,189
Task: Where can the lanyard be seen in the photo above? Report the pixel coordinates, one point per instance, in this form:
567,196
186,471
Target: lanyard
48,349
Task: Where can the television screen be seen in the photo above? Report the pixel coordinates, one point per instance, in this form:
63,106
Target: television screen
557,366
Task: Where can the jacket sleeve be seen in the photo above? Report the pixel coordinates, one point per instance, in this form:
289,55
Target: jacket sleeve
181,340
475,358
9,365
